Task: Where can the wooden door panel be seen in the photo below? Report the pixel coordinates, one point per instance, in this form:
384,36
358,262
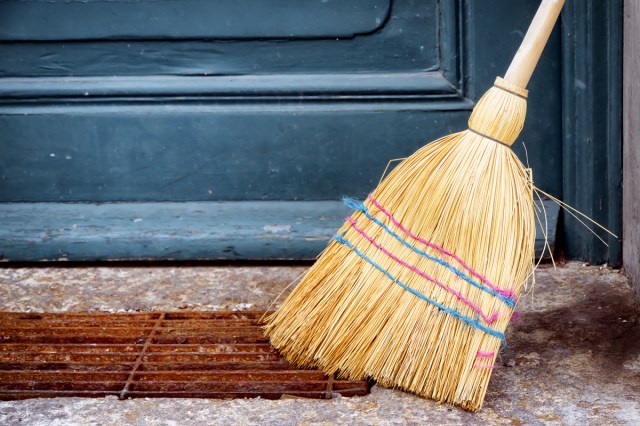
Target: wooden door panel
230,154
239,102
351,36
169,19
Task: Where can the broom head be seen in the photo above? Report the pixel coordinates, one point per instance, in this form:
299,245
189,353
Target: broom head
418,286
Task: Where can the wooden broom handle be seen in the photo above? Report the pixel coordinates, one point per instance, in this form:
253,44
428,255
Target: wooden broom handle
528,54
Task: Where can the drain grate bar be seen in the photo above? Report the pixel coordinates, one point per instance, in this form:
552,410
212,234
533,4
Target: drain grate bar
153,354
138,363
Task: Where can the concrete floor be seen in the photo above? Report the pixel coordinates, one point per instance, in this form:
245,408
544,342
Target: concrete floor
573,358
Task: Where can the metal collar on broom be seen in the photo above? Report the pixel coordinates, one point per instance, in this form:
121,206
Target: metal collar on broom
419,284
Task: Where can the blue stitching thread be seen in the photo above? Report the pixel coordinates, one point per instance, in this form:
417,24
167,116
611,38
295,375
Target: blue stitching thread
349,202
472,322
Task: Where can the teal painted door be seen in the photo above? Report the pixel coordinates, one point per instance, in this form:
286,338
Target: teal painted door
231,129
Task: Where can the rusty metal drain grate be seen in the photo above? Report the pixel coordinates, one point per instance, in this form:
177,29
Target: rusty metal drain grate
156,354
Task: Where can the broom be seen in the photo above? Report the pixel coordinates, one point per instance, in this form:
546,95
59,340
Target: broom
419,284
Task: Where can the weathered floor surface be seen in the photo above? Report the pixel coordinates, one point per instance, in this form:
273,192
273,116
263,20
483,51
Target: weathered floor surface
573,358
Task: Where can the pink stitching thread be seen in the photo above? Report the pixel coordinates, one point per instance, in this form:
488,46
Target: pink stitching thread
516,316
489,319
482,354
491,367
507,293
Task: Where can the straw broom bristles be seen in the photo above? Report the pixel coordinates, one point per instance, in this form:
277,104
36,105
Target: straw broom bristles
467,193
419,284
